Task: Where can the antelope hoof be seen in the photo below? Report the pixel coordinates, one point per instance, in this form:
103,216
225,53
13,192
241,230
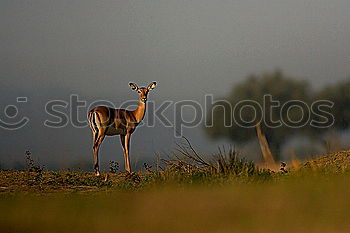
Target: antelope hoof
97,173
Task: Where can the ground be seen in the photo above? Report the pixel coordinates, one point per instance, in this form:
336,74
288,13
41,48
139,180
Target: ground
313,197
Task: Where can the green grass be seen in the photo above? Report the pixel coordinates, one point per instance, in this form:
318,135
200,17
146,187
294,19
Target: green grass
224,195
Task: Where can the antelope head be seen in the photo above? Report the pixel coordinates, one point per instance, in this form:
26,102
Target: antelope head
143,91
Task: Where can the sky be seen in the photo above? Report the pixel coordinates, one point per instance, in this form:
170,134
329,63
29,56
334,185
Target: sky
52,49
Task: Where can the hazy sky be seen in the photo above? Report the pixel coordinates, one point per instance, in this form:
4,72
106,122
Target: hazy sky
50,49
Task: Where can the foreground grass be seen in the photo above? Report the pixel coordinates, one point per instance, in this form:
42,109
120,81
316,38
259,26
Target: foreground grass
312,205
311,198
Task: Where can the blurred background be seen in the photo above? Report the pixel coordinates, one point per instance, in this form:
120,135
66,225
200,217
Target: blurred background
52,49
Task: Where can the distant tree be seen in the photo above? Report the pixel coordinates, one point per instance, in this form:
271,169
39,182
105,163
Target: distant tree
339,94
273,86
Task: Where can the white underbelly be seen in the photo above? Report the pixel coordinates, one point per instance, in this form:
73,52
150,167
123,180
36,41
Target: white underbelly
113,131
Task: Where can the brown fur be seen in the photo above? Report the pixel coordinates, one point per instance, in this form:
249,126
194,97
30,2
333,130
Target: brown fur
105,121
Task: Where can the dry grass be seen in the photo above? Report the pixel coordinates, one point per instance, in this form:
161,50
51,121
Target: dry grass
308,206
338,160
229,195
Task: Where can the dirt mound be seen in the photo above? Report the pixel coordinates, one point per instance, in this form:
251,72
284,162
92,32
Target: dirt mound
340,160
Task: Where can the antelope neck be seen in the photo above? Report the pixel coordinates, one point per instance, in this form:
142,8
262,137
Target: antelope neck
140,111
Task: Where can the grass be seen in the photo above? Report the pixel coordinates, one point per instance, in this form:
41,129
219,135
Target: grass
313,205
224,194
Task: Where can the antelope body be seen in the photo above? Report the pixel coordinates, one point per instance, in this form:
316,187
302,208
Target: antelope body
106,121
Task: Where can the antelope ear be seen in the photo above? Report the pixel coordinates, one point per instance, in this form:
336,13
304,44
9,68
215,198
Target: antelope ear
152,85
133,86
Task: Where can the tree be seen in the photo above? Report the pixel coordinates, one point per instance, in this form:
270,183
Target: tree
339,95
241,108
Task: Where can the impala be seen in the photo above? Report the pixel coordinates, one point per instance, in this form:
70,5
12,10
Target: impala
105,121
